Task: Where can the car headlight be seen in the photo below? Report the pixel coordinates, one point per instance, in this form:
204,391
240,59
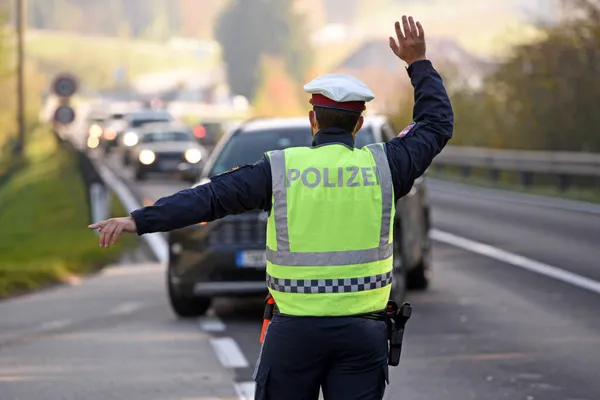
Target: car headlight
95,131
93,142
193,156
130,139
147,157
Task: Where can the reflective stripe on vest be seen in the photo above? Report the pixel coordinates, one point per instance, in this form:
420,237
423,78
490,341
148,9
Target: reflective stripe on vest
336,258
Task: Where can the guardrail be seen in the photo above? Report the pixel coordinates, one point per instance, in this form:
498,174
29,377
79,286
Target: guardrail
98,193
565,166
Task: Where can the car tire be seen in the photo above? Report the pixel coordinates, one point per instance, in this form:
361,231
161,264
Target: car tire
126,159
418,277
187,307
139,175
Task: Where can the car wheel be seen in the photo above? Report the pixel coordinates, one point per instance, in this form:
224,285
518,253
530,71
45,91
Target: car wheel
140,175
126,159
187,307
418,277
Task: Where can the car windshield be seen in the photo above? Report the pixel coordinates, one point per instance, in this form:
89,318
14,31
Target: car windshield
247,148
136,123
166,136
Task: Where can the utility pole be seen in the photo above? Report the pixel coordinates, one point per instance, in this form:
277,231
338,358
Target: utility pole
21,23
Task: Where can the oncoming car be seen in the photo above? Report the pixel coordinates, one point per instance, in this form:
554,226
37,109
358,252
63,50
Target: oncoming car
227,257
165,148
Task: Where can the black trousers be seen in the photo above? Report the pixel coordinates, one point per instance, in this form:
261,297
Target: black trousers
346,357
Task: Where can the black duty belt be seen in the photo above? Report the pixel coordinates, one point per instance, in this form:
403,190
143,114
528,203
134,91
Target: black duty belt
395,318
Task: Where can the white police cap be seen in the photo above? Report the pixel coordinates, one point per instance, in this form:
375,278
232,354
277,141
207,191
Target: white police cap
340,88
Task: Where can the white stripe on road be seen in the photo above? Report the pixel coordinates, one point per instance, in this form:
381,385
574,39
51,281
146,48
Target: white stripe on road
211,324
52,325
156,241
516,260
245,390
125,308
229,352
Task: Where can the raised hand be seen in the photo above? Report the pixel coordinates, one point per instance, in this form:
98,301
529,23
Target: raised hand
411,44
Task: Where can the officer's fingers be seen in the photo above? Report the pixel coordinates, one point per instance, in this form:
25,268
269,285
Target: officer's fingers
406,26
116,233
394,45
97,225
399,33
106,233
413,27
421,34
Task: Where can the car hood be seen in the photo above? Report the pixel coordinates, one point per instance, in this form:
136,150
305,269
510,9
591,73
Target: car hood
162,147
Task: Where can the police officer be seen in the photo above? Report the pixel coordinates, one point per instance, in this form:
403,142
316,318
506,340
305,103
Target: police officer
329,234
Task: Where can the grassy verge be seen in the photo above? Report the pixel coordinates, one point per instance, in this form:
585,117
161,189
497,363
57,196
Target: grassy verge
507,182
44,216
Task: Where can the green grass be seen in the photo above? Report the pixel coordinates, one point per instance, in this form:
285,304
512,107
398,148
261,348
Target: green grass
508,182
94,59
44,216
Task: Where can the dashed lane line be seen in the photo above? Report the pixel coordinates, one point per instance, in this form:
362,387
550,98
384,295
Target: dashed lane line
125,308
229,353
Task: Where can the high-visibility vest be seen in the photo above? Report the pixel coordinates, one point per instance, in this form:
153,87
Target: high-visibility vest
330,230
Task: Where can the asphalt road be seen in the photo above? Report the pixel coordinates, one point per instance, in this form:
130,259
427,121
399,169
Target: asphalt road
487,329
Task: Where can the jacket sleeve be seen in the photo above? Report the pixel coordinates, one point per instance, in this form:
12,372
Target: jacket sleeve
239,190
412,151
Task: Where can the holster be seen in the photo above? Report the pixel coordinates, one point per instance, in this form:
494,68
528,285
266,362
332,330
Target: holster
267,316
396,319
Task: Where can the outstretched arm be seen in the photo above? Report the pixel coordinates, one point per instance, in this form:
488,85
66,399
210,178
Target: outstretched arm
243,189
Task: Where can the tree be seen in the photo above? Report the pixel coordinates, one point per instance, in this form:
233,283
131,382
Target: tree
247,29
278,94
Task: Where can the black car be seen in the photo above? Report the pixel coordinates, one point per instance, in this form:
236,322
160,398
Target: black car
227,257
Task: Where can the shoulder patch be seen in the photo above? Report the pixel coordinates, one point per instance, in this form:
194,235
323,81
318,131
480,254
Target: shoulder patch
230,171
407,129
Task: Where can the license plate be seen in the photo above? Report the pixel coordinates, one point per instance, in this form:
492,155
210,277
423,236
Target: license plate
168,165
251,259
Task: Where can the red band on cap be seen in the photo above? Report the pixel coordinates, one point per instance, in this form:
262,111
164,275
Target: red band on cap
320,100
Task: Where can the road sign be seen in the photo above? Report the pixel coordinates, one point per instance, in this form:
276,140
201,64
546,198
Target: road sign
64,114
64,85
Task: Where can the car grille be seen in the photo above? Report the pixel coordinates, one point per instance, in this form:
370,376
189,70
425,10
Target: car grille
239,229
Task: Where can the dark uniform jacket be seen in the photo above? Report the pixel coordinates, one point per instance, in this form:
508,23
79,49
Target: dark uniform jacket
249,187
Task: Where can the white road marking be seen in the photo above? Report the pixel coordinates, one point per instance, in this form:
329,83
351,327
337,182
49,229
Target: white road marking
125,308
245,390
516,260
211,324
229,352
52,325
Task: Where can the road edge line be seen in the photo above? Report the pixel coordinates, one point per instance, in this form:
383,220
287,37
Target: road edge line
516,260
157,243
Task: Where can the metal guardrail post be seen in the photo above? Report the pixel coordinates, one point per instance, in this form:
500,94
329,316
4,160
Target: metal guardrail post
99,204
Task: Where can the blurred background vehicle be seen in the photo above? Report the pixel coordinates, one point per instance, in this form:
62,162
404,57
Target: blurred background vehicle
165,148
227,257
125,128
